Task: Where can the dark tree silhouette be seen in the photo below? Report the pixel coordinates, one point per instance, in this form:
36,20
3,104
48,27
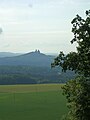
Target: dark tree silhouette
77,91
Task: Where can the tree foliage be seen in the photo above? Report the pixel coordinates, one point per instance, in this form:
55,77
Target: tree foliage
80,60
77,91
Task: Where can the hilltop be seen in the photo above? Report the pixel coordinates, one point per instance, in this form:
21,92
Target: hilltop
35,58
31,68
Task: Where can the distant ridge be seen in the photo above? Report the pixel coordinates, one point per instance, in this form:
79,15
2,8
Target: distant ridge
35,58
31,68
8,54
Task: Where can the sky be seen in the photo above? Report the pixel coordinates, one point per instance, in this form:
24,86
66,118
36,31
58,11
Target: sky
26,25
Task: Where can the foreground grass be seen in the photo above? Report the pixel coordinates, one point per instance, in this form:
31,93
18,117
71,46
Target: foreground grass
32,102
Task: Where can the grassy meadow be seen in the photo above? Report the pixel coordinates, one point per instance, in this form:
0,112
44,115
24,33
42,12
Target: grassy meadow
32,102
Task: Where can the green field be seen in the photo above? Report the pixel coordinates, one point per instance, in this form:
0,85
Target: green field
32,102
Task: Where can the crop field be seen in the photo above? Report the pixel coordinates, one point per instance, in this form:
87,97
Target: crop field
32,102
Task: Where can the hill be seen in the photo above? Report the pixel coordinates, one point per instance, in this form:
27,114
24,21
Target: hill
8,54
32,59
31,68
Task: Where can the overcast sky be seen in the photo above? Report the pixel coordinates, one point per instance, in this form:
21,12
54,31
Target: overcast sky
26,25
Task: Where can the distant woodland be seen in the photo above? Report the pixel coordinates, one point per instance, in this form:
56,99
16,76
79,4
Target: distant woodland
33,75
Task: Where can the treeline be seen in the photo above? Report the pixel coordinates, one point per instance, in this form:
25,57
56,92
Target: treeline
32,75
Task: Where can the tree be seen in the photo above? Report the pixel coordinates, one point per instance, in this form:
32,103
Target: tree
77,91
1,30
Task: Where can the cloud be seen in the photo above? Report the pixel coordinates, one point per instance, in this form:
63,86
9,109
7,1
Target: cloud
30,5
6,46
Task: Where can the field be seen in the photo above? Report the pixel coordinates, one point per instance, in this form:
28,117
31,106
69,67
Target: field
32,102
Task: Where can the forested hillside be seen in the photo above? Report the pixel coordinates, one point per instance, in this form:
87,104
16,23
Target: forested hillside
31,68
32,59
27,74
